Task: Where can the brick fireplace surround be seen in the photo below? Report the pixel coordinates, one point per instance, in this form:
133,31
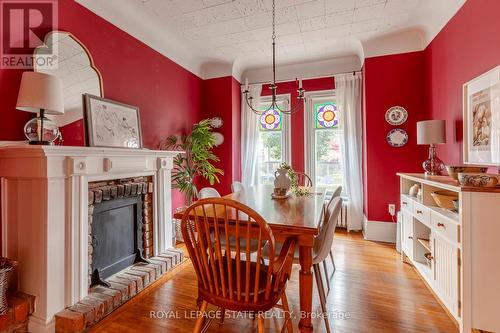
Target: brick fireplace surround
47,195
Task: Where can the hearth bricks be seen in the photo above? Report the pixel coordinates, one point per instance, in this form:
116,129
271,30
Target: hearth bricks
68,321
129,282
113,191
106,193
91,197
97,196
139,283
124,285
120,190
128,188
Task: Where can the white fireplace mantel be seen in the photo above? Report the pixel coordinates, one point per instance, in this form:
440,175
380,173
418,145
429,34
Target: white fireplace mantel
44,215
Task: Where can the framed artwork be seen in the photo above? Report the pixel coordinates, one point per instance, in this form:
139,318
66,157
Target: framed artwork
481,128
111,124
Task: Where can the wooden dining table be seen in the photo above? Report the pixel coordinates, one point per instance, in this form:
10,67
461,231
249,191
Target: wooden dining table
294,216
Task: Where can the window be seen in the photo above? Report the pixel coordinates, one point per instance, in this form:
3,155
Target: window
323,135
273,141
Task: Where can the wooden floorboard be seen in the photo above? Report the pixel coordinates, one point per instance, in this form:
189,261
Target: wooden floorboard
371,288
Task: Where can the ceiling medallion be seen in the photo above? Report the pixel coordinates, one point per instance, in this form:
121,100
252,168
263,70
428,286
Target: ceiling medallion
273,87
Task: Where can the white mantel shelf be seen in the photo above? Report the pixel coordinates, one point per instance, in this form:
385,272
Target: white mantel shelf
44,215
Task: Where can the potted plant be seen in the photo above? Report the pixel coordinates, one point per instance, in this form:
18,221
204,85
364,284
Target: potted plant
195,161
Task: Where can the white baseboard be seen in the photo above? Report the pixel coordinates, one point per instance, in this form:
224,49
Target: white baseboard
379,231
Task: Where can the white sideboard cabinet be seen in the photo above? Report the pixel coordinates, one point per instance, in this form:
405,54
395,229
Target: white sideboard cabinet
456,252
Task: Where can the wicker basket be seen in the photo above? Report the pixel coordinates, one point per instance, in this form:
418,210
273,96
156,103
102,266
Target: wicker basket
6,268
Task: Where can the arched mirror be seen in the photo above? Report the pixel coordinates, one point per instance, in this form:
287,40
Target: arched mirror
76,69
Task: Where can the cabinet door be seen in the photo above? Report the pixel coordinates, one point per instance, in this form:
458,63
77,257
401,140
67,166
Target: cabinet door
407,241
446,272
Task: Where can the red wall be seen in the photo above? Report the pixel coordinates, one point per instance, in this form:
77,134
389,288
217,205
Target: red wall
169,97
297,121
467,47
389,81
221,98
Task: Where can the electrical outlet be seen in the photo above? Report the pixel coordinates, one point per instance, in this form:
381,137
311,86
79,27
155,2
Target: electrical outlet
392,209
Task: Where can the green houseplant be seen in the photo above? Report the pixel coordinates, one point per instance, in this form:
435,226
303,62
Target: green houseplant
196,160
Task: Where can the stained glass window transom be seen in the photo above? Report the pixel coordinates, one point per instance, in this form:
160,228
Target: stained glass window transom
326,115
270,121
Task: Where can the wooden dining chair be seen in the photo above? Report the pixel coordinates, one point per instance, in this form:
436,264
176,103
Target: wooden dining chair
235,280
322,245
335,194
303,179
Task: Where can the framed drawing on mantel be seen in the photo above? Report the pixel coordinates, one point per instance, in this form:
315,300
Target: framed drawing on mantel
111,124
482,119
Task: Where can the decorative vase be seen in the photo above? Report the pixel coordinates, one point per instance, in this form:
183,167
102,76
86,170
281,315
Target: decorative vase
414,190
281,182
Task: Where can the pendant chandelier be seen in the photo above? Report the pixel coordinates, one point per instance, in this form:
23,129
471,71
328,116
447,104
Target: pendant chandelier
273,87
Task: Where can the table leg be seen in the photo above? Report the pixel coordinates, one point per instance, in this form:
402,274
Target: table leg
306,288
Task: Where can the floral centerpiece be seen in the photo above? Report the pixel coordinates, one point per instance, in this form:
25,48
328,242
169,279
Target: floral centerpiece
297,190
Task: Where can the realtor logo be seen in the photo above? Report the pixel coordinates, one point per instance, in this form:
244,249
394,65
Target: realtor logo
22,29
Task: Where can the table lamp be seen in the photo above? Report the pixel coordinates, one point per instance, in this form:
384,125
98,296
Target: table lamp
40,93
432,132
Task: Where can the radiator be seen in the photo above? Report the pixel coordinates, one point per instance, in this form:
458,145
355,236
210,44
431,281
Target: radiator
342,221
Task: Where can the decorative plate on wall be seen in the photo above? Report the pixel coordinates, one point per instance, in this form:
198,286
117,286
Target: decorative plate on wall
216,122
396,115
219,138
397,137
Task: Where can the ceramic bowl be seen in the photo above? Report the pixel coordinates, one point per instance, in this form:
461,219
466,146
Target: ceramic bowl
478,179
453,170
444,199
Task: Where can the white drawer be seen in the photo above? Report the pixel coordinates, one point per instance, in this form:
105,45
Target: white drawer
445,227
421,213
406,203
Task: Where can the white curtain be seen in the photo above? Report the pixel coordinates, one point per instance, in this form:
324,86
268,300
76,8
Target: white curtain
348,90
249,137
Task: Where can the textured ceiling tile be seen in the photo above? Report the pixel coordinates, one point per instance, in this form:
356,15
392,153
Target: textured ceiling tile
285,14
338,31
292,39
339,18
187,6
368,12
200,18
333,6
311,9
162,9
314,36
364,3
210,3
365,26
227,27
225,12
292,27
314,23
250,7
258,21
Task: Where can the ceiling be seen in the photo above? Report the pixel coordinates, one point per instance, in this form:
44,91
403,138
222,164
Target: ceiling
222,37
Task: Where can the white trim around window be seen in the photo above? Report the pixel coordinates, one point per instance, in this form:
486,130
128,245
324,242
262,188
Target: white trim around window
309,135
287,128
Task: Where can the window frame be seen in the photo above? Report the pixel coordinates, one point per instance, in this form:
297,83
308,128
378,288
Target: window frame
312,98
286,137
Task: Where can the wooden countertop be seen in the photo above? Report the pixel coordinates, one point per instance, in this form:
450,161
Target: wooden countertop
446,182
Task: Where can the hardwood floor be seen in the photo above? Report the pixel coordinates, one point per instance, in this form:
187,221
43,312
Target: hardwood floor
372,289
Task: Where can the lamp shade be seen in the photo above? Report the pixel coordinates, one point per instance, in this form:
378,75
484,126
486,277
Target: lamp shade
40,91
431,132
